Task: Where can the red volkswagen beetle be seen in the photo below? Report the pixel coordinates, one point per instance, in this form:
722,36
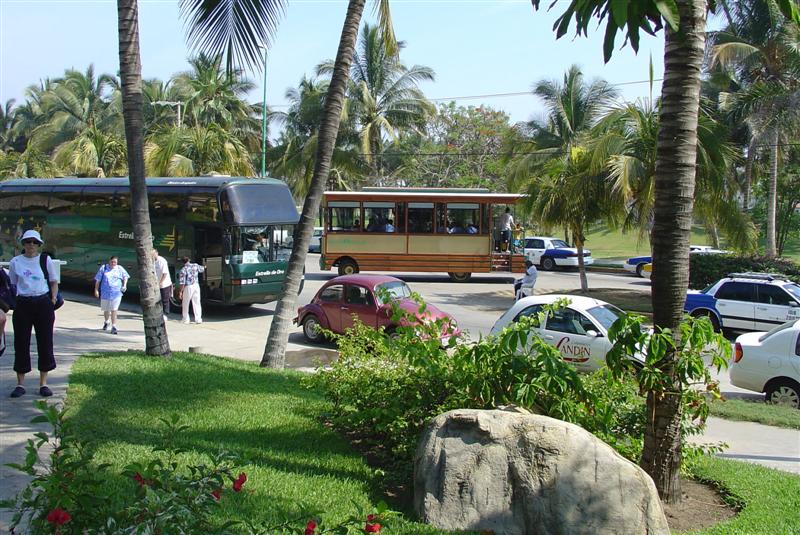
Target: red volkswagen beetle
342,298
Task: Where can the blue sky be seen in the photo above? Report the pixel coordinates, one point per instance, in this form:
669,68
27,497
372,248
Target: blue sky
476,47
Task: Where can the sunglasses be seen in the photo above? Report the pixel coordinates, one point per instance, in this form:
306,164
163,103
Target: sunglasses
27,242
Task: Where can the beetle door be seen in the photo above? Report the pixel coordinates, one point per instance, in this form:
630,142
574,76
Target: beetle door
359,303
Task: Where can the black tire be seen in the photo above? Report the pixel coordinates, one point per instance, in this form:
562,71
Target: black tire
460,276
312,329
784,392
348,266
711,317
640,269
548,264
392,333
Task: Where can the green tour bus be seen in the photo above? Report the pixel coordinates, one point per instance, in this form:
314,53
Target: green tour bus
240,229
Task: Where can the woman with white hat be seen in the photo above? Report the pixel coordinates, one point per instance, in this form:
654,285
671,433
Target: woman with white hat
36,299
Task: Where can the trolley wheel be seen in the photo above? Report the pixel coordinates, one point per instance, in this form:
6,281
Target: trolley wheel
348,266
460,276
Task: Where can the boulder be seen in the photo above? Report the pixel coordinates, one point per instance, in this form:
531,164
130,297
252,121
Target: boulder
515,473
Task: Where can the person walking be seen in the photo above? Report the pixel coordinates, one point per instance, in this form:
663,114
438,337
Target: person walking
110,282
34,309
164,281
189,292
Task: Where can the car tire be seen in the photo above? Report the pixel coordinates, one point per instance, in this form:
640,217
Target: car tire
460,276
312,329
784,392
640,269
548,264
711,317
348,266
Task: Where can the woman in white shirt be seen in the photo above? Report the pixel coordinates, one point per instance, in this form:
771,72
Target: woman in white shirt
36,299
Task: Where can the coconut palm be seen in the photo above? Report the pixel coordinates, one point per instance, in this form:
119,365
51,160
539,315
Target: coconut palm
93,153
762,50
384,99
30,164
74,103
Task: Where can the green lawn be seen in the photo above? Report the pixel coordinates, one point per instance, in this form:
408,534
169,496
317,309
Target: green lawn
756,411
297,465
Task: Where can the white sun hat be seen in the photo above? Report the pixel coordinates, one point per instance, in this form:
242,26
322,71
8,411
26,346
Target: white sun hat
32,234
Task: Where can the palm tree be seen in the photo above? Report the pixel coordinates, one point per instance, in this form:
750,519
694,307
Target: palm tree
156,342
384,99
762,49
6,124
93,153
573,108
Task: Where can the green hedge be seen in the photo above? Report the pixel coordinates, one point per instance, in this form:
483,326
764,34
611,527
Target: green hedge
705,269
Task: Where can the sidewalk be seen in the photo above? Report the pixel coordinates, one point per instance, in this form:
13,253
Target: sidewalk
241,334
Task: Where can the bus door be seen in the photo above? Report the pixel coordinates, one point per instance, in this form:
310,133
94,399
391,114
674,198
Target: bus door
209,247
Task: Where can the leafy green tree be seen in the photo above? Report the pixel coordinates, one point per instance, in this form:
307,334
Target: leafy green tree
30,164
6,125
761,49
93,153
683,22
384,100
460,147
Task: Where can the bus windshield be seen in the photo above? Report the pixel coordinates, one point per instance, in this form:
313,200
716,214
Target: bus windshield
249,204
262,243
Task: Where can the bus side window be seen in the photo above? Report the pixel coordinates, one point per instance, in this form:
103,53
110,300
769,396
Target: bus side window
420,217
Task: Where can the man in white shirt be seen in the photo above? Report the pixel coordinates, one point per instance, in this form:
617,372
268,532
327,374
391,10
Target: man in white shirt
506,224
524,287
164,280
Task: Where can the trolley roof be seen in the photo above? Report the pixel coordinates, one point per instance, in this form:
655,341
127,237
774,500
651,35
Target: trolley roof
420,194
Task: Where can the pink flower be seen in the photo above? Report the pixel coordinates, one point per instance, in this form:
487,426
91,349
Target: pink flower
237,485
311,527
216,494
370,527
58,517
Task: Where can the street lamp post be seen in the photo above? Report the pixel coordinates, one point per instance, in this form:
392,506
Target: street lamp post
177,103
264,120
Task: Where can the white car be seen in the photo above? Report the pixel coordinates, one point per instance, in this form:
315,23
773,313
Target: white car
579,331
315,245
550,253
770,363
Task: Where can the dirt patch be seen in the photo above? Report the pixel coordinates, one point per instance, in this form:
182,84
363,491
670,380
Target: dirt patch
702,506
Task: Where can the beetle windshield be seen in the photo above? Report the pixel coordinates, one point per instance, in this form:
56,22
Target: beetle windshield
393,290
605,315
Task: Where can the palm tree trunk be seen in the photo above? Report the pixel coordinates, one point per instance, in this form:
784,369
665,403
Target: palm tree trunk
748,173
130,66
772,195
275,350
581,265
672,224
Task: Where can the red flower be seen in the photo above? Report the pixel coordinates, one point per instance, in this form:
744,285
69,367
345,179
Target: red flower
139,479
58,517
372,528
237,485
311,527
216,494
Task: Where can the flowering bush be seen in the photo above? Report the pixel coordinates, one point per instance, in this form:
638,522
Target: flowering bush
69,494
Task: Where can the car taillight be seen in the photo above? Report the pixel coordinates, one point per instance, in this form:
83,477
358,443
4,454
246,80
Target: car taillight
738,352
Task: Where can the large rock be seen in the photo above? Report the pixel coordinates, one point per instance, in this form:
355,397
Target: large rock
519,474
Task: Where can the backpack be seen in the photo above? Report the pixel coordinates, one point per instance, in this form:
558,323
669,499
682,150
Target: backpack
8,292
43,264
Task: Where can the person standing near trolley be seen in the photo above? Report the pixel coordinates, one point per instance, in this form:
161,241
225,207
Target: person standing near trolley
110,283
189,280
36,299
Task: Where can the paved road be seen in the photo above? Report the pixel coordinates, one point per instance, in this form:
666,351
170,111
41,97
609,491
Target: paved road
241,333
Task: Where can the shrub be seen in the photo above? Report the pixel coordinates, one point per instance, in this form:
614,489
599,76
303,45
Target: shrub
705,269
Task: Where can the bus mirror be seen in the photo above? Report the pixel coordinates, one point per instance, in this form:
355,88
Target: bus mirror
226,243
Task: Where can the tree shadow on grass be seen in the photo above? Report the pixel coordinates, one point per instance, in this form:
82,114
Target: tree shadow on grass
116,400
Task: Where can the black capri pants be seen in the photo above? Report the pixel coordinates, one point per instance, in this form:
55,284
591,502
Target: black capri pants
37,313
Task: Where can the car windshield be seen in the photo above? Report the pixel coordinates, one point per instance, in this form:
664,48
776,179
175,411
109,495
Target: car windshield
793,289
559,243
605,315
395,290
776,330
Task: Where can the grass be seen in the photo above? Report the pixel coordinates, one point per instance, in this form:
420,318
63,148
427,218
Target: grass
768,498
297,466
756,411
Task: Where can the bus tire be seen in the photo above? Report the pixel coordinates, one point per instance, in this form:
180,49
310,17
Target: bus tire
460,276
548,264
348,266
